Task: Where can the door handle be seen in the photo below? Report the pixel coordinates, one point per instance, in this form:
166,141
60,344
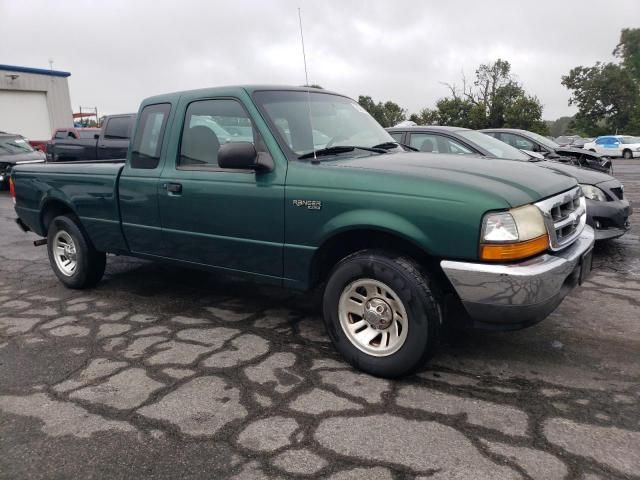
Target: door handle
173,188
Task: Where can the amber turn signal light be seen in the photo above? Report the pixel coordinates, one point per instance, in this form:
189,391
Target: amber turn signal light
514,251
12,189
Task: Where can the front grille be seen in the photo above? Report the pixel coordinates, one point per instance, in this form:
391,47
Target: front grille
565,217
618,192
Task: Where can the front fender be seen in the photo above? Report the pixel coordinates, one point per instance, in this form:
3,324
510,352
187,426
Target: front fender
371,219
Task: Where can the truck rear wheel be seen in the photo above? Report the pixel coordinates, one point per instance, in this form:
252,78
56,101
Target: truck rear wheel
382,313
74,260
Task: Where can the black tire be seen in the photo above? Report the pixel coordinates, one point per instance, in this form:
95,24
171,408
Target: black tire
90,263
627,154
418,294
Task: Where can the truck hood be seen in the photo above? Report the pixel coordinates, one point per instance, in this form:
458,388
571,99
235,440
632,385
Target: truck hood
517,183
22,157
582,175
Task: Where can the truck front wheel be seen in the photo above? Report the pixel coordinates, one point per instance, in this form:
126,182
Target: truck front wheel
382,313
74,260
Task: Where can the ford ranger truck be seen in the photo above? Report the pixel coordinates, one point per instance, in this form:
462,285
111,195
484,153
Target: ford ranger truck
303,189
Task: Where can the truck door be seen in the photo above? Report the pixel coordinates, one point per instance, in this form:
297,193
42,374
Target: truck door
114,141
231,219
138,184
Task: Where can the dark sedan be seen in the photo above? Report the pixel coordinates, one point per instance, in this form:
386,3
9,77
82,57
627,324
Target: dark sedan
607,210
14,150
533,142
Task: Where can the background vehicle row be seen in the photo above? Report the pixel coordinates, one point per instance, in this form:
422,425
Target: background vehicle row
109,141
608,210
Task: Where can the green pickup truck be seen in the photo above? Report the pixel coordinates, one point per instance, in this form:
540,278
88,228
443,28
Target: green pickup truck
301,188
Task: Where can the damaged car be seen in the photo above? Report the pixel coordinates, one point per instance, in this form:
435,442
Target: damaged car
608,210
15,149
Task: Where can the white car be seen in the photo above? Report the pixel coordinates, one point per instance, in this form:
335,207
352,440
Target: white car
615,146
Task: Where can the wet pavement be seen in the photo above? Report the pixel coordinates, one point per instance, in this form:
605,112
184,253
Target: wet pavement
163,372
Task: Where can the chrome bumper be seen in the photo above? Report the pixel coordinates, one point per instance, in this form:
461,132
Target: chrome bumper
516,295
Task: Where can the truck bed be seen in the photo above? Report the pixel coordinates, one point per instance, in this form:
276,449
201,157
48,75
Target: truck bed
88,187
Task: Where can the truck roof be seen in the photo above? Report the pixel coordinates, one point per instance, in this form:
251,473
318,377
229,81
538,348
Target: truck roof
172,96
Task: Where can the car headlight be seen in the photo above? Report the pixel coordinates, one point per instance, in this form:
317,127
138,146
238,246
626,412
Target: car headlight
513,235
593,193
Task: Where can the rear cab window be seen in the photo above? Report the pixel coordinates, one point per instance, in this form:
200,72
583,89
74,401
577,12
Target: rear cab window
118,128
147,143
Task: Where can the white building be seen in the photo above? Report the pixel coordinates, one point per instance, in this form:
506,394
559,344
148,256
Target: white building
33,101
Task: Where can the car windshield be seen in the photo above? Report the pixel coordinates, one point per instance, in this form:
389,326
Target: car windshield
566,139
310,121
543,140
497,148
630,140
13,145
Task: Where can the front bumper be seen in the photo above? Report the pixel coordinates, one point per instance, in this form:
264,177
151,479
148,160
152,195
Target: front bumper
512,296
609,219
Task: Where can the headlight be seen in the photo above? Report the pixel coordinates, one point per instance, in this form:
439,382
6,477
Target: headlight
513,235
594,193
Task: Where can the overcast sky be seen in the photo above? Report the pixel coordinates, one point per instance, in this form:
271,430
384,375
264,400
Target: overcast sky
119,52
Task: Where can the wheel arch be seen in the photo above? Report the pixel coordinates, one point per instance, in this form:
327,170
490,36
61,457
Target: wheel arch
346,241
51,209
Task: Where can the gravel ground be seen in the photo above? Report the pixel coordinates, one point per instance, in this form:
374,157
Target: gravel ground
162,372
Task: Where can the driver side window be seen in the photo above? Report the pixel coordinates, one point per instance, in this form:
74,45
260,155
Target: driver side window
208,124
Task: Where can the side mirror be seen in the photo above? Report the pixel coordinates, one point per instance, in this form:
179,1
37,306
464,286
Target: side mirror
96,136
243,156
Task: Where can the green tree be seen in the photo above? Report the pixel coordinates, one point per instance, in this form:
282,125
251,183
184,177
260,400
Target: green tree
387,114
525,112
458,112
628,50
426,116
608,94
493,99
561,126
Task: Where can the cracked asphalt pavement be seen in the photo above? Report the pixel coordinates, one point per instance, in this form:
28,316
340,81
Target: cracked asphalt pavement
163,372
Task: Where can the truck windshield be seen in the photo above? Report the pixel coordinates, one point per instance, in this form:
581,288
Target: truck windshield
306,122
13,145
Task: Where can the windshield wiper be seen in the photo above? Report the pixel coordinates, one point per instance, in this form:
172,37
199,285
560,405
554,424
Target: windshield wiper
390,145
339,149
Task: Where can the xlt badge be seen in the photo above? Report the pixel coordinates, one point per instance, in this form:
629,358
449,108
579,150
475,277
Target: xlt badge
310,204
